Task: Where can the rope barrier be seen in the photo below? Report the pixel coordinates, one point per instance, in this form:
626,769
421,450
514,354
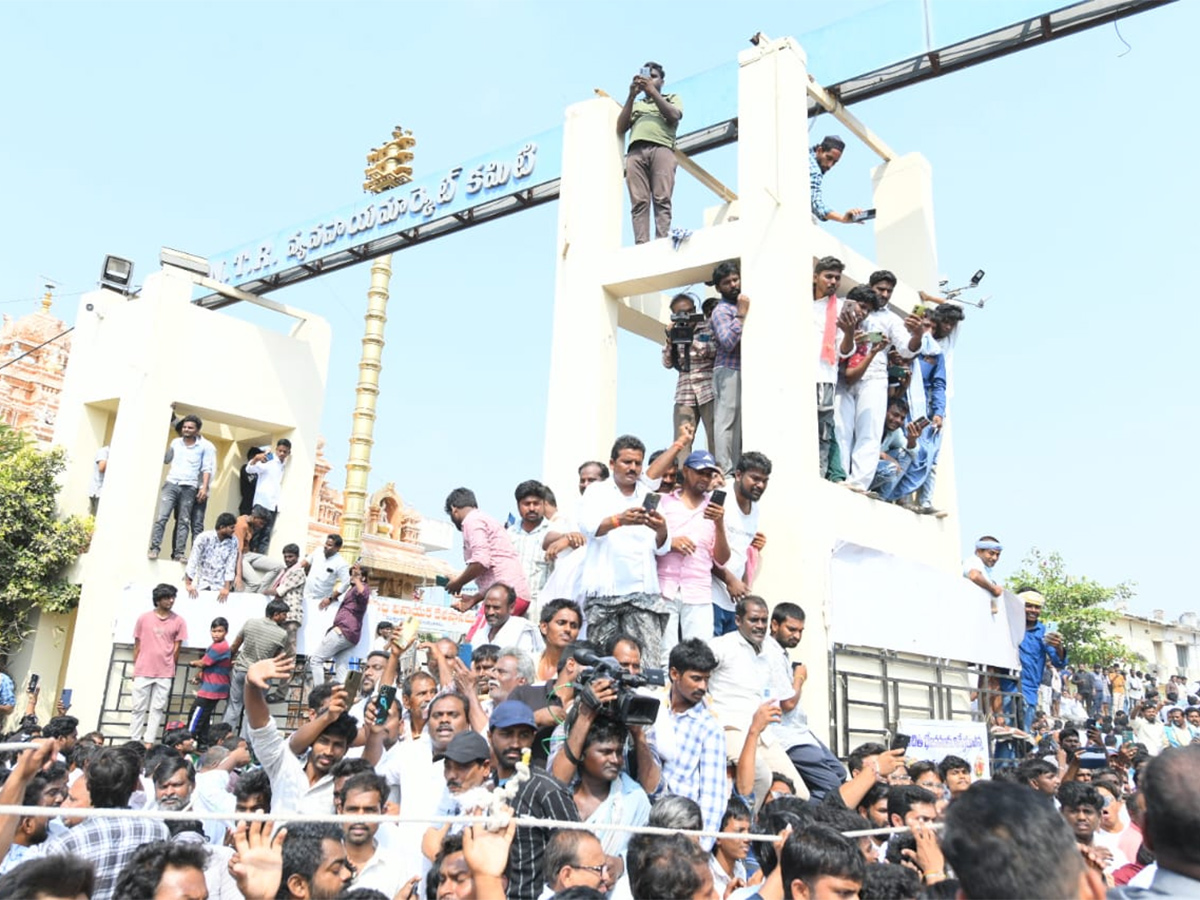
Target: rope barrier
384,818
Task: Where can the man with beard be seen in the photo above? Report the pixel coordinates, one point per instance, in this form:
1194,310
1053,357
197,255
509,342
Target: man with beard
1037,646
503,628
488,553
415,766
686,739
813,761
620,571
466,764
738,683
305,787
540,796
315,866
527,535
821,158
741,532
364,794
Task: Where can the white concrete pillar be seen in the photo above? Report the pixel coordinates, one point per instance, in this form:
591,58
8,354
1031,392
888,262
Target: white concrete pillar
778,394
905,240
581,406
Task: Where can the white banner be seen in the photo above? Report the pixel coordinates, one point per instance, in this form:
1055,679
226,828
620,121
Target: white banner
881,600
237,608
933,740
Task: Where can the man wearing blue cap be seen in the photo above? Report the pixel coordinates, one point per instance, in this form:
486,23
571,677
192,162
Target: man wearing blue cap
541,796
697,530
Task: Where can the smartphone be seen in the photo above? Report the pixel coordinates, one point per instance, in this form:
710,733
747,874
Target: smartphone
65,698
1051,628
270,456
900,742
717,498
875,337
645,72
920,309
33,683
795,665
650,504
353,683
863,216
383,702
441,580
921,422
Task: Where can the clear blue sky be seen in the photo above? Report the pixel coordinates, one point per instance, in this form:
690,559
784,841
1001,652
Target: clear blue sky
1064,171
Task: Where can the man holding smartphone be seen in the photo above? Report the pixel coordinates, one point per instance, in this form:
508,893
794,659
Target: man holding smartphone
696,522
650,160
1038,645
625,536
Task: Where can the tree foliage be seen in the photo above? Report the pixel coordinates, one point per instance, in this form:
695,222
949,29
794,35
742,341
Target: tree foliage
36,546
1082,607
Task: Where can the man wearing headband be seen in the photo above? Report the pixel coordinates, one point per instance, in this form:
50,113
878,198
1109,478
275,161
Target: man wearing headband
978,568
1036,647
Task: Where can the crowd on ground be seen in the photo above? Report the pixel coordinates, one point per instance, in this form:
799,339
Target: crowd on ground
621,674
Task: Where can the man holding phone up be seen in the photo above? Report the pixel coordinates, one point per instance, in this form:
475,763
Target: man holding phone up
696,522
650,161
1038,644
625,534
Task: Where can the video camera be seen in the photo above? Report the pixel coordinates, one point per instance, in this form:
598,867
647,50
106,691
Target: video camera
629,707
680,334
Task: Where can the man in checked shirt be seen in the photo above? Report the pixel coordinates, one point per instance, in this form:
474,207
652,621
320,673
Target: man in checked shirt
694,388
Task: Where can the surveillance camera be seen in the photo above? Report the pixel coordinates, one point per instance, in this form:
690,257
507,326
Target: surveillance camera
976,278
91,307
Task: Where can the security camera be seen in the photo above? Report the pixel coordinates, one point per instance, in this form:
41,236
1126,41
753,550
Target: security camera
91,307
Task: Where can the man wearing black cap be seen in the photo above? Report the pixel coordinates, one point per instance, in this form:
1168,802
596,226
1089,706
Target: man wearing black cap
466,764
539,795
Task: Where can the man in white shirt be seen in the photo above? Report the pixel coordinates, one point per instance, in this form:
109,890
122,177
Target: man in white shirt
269,469
303,786
741,531
325,570
503,628
817,766
862,406
527,535
365,794
620,572
741,683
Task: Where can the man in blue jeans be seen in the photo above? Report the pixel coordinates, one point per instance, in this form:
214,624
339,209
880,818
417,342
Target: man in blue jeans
193,460
1036,646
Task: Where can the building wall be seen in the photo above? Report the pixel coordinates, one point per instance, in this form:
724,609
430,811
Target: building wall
134,364
1170,648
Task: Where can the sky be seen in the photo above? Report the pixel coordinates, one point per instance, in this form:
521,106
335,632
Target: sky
1063,171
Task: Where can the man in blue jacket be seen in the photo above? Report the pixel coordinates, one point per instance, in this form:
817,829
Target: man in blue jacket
1035,648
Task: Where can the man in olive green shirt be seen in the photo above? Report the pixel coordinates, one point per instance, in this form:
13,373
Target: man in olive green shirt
650,161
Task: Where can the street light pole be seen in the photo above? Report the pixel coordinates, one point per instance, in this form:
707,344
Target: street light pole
388,168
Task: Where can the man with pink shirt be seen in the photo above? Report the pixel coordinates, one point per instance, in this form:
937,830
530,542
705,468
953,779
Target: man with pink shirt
487,551
157,637
697,530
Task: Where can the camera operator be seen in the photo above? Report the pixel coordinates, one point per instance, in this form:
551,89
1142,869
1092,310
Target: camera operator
593,760
690,349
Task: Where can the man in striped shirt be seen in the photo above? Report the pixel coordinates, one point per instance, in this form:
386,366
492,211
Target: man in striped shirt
728,319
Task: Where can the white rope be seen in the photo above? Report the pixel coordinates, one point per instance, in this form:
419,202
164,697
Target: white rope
526,822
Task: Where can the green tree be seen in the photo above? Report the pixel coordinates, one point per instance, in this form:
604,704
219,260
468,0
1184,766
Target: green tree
1082,607
36,546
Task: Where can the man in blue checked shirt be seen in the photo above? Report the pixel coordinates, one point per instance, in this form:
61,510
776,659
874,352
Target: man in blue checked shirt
687,740
821,158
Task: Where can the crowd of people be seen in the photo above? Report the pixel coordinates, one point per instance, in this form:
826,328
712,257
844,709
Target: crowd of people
881,380
621,674
624,718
